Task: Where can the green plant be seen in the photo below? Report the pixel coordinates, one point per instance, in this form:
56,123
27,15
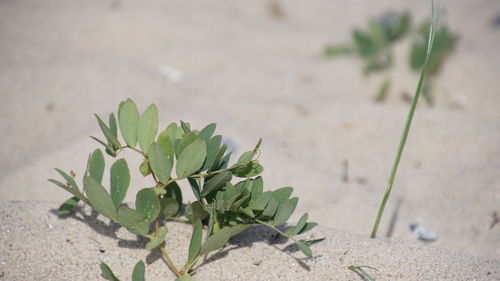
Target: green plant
223,208
374,46
425,68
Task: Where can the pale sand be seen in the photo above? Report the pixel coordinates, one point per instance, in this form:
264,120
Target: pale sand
62,61
37,245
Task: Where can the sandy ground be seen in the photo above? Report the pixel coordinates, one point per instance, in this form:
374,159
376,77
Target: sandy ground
234,63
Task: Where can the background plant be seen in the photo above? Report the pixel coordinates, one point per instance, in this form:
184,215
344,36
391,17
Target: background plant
374,46
223,208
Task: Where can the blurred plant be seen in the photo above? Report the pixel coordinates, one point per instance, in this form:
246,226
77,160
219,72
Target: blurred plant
222,208
444,42
374,47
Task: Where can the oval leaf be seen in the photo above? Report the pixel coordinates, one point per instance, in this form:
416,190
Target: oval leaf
99,197
159,162
195,245
283,194
139,271
128,217
147,128
216,241
108,133
169,207
304,249
107,273
158,240
283,213
120,181
191,158
208,131
217,182
147,203
128,117
68,206
96,165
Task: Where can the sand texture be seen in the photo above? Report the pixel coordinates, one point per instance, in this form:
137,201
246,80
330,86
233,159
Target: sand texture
37,245
256,73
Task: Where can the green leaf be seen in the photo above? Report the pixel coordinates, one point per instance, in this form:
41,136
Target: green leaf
108,133
216,241
257,188
247,211
217,182
147,128
159,162
128,117
184,142
195,187
96,165
221,237
218,157
147,203
169,207
283,194
307,227
174,131
196,211
300,225
142,229
128,217
304,249
195,245
191,158
207,132
109,148
70,180
251,170
166,142
68,206
360,271
174,192
157,240
185,126
144,168
139,271
213,146
120,181
245,158
261,202
99,197
107,273
112,125
271,208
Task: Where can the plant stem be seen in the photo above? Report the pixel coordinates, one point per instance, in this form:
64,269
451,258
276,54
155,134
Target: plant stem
190,265
277,230
169,261
406,129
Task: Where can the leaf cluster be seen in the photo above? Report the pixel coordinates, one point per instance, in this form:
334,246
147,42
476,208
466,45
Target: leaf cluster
229,198
375,43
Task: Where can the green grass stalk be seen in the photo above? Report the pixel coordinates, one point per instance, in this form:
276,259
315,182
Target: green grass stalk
407,127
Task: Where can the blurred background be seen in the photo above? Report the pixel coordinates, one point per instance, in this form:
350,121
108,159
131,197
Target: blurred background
291,72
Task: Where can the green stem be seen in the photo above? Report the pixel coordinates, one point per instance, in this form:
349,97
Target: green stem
190,265
277,230
169,261
406,130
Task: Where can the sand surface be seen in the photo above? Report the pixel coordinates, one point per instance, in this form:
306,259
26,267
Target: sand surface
72,249
255,75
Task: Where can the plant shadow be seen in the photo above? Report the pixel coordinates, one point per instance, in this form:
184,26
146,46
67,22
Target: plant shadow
258,233
246,239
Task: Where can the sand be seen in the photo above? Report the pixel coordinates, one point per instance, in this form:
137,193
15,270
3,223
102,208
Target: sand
255,75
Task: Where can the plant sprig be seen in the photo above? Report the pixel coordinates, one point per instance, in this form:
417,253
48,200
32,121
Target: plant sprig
223,209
